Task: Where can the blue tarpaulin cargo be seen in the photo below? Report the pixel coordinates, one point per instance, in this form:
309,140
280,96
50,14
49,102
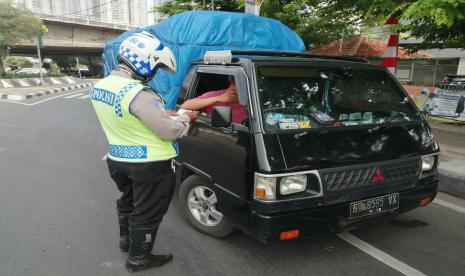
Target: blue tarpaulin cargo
190,34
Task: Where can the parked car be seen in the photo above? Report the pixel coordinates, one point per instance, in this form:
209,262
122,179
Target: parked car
453,82
329,144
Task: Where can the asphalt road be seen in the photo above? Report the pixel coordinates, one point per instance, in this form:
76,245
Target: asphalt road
57,215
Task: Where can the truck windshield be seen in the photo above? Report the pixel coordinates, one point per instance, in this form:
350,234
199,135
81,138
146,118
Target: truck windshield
296,97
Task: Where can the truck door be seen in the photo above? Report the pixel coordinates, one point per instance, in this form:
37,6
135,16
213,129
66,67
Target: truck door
224,154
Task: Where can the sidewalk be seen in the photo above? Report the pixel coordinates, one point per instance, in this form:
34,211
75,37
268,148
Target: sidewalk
452,159
23,93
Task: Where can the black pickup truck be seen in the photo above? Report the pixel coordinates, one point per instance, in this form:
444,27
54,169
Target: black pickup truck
328,143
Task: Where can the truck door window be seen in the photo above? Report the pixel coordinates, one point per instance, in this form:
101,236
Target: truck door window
211,86
188,80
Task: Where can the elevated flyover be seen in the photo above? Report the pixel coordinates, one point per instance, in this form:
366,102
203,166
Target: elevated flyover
73,36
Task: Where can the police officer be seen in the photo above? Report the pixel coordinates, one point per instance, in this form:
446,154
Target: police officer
141,136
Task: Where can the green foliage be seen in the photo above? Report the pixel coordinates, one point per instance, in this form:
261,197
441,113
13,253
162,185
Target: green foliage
17,62
178,6
438,22
10,75
317,22
16,24
52,67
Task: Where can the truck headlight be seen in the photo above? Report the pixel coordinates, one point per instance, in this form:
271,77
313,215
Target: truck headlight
293,184
265,187
427,162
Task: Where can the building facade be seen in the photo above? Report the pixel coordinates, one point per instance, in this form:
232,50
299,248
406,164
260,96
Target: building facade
131,13
427,68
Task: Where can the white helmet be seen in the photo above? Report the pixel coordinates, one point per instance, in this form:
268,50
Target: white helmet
145,54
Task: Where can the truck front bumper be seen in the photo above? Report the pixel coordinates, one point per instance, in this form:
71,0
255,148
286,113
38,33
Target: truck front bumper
332,218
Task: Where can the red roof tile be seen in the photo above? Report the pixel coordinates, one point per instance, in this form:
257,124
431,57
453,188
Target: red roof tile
363,47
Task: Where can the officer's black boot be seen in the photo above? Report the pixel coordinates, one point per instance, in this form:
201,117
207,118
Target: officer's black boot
123,219
141,242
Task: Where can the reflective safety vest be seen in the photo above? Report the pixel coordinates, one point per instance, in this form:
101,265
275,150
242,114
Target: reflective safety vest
130,140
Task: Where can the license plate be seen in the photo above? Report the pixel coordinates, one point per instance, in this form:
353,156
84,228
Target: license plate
372,206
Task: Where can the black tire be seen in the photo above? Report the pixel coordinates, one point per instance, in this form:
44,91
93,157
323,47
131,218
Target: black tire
223,229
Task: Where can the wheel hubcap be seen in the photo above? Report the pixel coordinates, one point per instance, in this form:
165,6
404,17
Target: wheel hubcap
202,204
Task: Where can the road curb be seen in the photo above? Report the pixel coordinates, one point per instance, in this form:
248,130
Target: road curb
447,127
16,97
452,183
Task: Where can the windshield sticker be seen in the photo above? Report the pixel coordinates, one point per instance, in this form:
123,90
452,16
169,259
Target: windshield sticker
270,120
284,121
273,118
287,120
288,125
304,124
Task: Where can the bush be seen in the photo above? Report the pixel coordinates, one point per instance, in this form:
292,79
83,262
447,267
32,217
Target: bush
52,67
10,75
17,62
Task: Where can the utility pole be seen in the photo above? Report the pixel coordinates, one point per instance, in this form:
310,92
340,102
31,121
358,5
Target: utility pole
39,45
213,5
78,67
253,6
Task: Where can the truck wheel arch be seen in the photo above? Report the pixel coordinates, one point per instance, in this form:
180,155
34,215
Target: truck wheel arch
184,170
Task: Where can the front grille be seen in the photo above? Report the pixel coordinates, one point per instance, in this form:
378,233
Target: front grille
355,178
342,180
401,171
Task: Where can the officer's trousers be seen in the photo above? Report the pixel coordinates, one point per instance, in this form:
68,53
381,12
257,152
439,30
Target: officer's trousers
147,189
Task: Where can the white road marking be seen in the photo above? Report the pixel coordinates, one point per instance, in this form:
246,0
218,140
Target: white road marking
69,80
84,97
55,81
8,101
51,98
74,96
16,97
379,255
23,83
449,205
6,84
48,99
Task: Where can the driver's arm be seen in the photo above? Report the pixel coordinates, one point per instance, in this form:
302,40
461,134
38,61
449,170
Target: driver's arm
202,101
197,104
148,107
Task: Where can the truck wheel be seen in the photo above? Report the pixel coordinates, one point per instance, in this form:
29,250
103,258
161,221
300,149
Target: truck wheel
198,202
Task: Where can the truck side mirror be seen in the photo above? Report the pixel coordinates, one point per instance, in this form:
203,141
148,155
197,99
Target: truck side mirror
221,116
460,105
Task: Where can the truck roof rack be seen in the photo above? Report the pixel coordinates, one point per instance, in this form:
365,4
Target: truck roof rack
296,54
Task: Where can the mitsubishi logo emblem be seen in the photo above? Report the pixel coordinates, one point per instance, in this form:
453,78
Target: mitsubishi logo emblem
378,177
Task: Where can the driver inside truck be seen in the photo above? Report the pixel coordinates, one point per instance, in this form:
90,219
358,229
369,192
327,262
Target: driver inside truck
226,97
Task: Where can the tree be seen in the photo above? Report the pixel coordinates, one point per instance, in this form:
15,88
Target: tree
440,23
16,24
178,6
316,21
